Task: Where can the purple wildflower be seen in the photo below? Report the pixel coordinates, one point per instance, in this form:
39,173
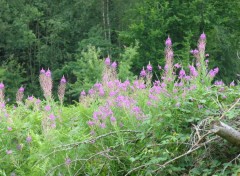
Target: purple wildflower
143,73
107,61
47,108
149,67
42,71
63,80
168,42
48,73
114,65
29,139
232,84
91,91
83,93
203,36
9,128
224,97
91,123
52,117
53,125
113,119
101,92
67,161
2,86
212,73
182,74
219,83
38,101
19,146
103,125
177,65
31,98
193,71
21,89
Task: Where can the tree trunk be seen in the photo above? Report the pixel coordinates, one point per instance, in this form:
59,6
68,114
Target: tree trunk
109,26
104,20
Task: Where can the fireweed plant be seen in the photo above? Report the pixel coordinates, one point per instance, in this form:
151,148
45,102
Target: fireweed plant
121,127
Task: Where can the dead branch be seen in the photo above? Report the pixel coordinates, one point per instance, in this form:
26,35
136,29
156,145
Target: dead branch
226,132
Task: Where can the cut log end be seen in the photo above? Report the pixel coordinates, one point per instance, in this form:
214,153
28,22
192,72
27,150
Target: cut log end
227,132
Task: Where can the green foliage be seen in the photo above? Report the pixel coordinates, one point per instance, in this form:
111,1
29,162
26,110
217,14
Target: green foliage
122,127
12,74
87,69
49,34
155,20
126,62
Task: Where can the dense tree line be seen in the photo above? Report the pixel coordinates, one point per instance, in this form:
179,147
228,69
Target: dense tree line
57,34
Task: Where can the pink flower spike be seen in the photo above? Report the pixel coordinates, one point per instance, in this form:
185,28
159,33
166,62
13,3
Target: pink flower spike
232,84
114,65
182,74
52,117
91,123
143,73
203,36
168,42
9,128
177,65
42,71
47,108
107,61
159,67
2,86
31,98
149,67
63,80
48,73
38,101
103,125
83,93
195,51
113,119
21,89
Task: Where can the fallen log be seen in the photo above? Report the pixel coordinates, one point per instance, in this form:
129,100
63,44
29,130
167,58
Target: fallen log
226,132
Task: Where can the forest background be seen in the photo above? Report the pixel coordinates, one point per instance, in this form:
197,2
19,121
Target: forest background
69,36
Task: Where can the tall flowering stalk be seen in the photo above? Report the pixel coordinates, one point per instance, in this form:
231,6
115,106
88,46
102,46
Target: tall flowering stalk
19,95
147,74
109,72
201,64
169,59
2,89
45,79
61,89
82,96
202,45
201,60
